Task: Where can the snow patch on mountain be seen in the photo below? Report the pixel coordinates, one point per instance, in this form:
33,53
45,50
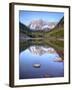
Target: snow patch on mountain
41,25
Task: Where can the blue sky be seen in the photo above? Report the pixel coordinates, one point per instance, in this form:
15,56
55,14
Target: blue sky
27,16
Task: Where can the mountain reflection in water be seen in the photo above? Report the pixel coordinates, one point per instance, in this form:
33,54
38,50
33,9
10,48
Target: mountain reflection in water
40,50
51,62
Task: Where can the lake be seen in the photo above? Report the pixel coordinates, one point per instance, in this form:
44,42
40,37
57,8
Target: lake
39,58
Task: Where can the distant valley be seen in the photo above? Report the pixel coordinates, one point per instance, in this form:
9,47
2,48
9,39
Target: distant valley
42,29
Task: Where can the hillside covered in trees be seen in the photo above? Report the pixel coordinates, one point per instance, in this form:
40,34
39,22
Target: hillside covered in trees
56,32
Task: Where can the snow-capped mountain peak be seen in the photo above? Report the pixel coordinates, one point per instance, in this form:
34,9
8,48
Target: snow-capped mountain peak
41,25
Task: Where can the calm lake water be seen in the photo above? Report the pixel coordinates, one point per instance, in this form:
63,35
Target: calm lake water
48,55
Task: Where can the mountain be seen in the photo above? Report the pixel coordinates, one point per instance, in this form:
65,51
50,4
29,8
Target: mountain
41,25
23,28
58,31
60,23
24,31
42,29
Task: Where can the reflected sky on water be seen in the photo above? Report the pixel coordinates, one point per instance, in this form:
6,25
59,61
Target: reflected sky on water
51,64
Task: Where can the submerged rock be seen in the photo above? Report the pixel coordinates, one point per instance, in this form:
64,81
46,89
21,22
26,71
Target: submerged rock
36,65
